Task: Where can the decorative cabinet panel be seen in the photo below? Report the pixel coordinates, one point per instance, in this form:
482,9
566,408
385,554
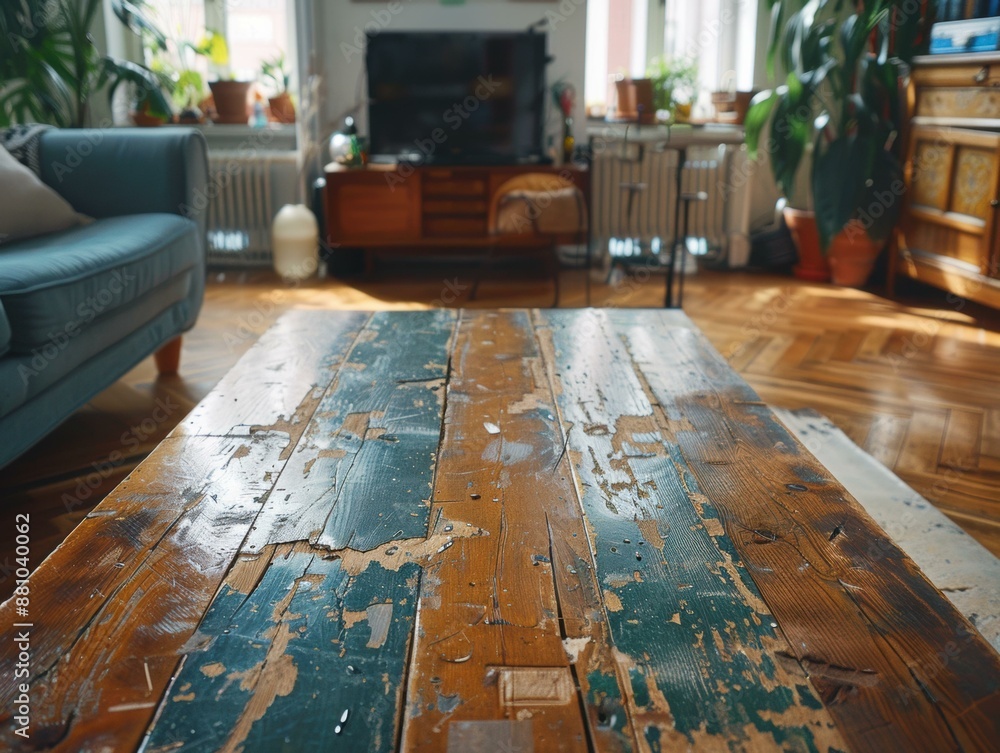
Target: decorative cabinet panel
949,235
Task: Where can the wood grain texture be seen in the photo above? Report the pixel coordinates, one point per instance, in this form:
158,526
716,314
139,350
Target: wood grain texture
316,619
510,621
751,317
277,419
870,630
963,570
158,548
695,643
384,412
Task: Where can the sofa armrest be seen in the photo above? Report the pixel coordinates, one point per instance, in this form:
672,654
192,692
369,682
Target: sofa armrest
116,171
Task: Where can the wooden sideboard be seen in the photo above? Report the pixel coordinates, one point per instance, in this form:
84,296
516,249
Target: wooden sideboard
949,235
404,207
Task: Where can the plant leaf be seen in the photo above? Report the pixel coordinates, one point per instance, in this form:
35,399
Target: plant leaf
758,114
838,182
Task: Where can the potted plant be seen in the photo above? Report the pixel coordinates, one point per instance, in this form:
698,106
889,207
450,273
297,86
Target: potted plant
675,81
282,108
846,65
230,97
51,69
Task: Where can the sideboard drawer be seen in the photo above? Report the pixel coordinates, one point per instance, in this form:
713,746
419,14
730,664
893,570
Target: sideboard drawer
970,91
958,102
981,74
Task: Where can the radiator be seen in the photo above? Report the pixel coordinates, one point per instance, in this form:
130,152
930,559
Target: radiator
634,190
245,192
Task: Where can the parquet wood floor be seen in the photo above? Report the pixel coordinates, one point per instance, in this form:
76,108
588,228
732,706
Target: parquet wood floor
915,381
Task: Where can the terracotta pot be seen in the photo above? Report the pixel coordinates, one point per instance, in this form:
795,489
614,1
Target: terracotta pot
812,264
282,109
635,99
144,120
731,107
232,101
852,255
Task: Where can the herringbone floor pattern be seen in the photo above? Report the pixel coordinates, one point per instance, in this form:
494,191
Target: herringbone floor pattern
915,382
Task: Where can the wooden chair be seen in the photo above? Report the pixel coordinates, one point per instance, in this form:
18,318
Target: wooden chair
539,206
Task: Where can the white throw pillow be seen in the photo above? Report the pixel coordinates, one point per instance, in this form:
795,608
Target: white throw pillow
27,206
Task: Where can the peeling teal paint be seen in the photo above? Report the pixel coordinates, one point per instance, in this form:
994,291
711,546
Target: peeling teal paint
670,599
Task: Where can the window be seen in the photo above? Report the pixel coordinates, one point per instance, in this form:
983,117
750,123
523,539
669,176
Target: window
623,35
255,31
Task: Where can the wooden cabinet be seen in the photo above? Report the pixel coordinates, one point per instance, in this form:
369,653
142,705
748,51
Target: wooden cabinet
426,207
370,207
949,235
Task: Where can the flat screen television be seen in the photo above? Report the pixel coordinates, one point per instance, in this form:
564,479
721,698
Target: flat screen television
456,97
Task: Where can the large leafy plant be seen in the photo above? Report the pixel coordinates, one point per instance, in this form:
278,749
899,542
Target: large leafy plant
50,67
844,66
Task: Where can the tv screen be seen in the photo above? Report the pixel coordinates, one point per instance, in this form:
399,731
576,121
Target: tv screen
456,97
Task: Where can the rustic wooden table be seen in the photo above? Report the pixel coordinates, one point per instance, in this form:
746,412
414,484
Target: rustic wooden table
487,531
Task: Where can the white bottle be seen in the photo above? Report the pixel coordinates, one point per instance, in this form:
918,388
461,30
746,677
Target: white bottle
295,242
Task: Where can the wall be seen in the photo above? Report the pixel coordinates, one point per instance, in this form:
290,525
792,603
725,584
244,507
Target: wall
342,30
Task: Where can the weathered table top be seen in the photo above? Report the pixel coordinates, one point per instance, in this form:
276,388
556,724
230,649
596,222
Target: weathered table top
488,531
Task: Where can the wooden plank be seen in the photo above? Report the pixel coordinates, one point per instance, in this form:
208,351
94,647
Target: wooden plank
316,638
961,440
885,438
921,449
383,412
510,622
896,665
773,351
158,546
848,344
964,571
990,457
696,645
317,619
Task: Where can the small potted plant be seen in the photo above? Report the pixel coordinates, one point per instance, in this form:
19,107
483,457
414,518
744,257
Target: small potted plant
276,71
230,97
840,110
675,81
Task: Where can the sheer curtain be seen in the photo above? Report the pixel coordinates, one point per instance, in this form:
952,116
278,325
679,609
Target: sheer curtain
720,35
622,35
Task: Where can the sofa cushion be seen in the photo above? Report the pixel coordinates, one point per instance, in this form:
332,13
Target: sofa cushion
25,376
55,286
4,332
29,207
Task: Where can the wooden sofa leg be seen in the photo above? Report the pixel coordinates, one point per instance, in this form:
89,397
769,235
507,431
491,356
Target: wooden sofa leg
168,358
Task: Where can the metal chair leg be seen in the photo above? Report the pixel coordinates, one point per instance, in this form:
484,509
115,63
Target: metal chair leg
555,275
486,262
684,254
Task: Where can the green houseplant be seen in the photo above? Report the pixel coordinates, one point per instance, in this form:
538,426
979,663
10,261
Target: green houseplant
675,80
845,65
276,70
50,67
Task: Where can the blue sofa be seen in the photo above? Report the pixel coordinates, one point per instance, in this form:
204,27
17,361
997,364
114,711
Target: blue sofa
80,308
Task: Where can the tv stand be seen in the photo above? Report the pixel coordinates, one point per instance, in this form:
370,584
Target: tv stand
405,208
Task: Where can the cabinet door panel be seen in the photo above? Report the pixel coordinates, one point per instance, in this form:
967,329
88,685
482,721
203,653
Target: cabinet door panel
366,208
954,183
